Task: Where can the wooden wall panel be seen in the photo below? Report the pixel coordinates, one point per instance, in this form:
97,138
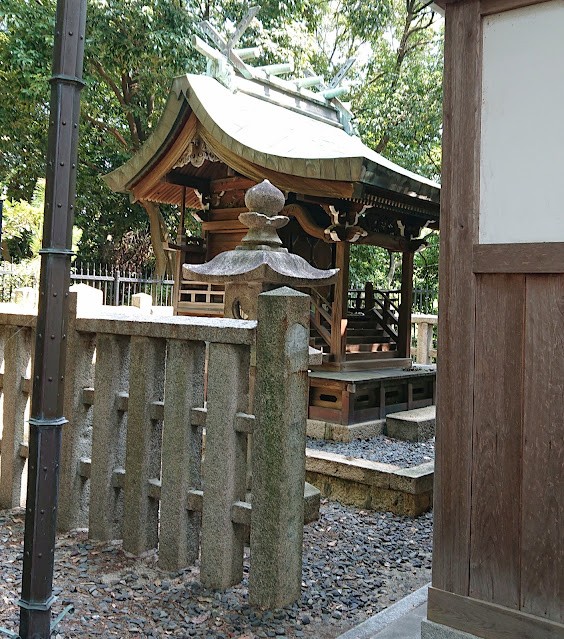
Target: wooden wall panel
496,474
220,242
543,450
455,373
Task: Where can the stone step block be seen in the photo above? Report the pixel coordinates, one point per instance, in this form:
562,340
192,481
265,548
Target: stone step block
416,425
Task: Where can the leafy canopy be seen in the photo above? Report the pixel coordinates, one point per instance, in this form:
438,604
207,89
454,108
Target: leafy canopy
135,47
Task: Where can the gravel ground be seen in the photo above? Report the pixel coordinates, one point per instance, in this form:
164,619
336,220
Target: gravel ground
380,449
356,563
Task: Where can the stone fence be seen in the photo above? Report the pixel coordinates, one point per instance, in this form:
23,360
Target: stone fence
424,328
139,390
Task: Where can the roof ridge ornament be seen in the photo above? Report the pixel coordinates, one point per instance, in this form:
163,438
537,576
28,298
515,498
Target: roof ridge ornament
224,61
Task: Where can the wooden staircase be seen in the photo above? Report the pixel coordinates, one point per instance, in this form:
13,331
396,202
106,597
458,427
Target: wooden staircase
371,337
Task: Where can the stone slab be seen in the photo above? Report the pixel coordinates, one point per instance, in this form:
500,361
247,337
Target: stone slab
320,429
432,630
416,425
367,484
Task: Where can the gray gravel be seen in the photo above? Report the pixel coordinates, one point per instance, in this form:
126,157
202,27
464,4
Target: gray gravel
380,449
356,563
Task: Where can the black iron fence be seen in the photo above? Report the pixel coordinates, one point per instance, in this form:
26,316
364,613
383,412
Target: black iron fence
117,286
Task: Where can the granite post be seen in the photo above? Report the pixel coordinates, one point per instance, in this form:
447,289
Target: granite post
279,441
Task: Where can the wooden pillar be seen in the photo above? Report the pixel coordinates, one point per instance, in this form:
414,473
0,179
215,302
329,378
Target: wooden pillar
404,320
340,303
368,296
180,240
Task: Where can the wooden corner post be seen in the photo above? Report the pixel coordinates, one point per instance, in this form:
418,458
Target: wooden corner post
404,320
498,564
340,303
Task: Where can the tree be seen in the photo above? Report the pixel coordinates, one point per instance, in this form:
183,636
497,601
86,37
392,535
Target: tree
133,50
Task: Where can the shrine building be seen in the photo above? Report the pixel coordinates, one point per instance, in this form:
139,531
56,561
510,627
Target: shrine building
223,132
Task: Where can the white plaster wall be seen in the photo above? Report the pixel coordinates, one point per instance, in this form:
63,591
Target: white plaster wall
522,138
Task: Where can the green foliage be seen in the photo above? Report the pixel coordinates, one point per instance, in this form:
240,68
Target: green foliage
373,264
21,226
426,265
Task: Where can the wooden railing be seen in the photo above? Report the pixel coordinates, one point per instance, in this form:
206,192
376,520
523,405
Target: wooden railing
139,391
200,298
321,315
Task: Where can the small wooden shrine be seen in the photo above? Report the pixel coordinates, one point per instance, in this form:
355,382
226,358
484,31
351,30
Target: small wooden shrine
224,132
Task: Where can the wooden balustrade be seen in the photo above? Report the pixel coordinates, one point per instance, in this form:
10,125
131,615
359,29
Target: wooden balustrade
137,400
200,298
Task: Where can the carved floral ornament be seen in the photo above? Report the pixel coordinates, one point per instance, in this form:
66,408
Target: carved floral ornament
196,154
339,231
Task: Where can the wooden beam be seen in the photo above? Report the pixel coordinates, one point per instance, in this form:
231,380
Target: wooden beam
340,303
189,181
487,619
539,257
404,320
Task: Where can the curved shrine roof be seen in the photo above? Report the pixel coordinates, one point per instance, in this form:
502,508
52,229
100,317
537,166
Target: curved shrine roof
262,132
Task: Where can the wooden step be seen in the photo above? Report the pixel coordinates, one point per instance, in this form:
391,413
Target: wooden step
378,355
369,330
371,348
363,365
369,364
368,339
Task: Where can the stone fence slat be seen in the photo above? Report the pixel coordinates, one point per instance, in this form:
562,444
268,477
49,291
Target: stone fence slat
17,349
143,448
224,465
109,424
77,432
179,540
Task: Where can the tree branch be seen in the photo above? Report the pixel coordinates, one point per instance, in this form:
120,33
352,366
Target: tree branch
106,76
92,166
108,129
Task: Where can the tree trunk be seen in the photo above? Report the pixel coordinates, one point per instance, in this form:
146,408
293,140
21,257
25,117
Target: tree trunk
392,269
159,235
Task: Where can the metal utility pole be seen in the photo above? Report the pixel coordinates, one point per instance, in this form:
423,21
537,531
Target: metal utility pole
50,348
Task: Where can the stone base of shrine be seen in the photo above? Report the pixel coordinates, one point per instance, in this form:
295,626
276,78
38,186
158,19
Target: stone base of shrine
364,398
371,485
